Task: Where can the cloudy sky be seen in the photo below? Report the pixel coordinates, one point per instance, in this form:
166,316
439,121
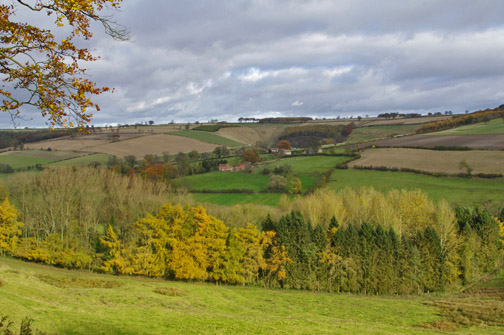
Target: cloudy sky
199,60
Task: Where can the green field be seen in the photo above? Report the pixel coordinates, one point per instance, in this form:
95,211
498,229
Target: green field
207,137
84,160
457,191
25,158
492,127
372,133
229,199
78,302
308,169
223,181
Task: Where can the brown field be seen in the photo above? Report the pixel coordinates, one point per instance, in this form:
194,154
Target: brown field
487,141
253,134
433,161
399,121
134,145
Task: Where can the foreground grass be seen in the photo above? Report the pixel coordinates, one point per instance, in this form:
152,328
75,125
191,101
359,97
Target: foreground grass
457,191
208,138
89,303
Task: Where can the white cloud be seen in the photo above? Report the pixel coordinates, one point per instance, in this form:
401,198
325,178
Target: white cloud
213,60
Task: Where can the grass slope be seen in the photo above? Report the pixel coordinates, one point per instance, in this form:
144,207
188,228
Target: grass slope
22,159
492,127
481,161
372,133
84,160
308,169
229,199
458,191
208,138
72,302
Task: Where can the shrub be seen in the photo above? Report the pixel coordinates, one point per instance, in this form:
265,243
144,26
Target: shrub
277,183
6,168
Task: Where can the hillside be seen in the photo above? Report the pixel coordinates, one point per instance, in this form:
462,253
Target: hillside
78,302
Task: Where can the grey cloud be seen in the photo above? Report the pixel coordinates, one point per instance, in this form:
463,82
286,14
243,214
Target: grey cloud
200,60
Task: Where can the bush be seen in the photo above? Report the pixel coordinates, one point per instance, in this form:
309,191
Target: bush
277,183
6,168
282,170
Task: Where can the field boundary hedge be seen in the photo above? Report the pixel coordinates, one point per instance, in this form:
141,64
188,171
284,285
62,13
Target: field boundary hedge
429,173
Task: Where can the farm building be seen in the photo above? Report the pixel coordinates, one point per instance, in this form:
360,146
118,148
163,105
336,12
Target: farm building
229,168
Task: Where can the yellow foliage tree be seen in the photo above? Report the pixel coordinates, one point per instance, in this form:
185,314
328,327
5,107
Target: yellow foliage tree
214,234
151,255
274,265
120,261
10,227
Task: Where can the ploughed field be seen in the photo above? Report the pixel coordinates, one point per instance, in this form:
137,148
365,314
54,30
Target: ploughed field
482,161
78,302
473,141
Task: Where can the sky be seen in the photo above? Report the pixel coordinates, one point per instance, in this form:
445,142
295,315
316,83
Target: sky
197,60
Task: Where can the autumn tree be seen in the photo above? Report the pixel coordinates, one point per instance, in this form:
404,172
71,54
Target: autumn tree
43,71
250,156
10,228
295,186
284,144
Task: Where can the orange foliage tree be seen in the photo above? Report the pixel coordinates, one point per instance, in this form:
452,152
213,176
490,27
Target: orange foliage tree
250,156
284,144
42,71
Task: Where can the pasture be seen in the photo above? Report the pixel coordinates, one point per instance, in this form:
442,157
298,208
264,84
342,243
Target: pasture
433,160
307,168
25,158
84,160
207,137
230,199
474,141
373,133
495,126
457,191
78,302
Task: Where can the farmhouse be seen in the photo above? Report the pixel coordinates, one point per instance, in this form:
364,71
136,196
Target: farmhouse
286,152
228,168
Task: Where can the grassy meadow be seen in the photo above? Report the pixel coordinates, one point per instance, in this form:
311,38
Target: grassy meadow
207,137
25,158
457,191
229,199
84,160
79,302
495,126
481,161
372,133
308,169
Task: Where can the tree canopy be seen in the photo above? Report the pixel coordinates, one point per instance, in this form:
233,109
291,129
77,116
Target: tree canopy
41,70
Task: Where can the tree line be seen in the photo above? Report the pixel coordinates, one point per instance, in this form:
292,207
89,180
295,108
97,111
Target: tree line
398,242
303,136
476,117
